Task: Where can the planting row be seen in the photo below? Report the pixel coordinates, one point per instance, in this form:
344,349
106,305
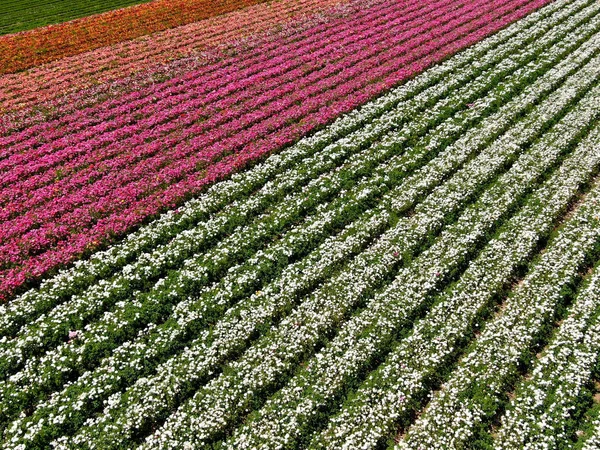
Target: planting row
255,64
268,362
181,248
111,194
394,390
265,365
326,159
393,393
39,85
474,392
458,153
361,164
24,50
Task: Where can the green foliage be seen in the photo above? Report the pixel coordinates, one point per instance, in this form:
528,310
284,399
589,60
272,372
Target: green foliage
21,15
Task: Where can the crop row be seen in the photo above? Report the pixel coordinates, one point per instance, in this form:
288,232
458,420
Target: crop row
473,393
47,82
378,405
395,390
120,199
257,66
360,162
20,15
42,232
545,407
191,67
155,263
210,302
24,50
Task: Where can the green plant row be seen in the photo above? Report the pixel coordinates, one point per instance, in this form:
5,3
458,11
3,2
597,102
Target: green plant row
21,15
475,390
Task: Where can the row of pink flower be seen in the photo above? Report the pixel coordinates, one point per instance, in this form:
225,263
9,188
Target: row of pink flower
183,170
54,79
162,117
47,155
162,124
83,98
67,118
229,69
90,156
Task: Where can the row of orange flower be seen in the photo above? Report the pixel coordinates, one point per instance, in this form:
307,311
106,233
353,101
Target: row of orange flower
28,49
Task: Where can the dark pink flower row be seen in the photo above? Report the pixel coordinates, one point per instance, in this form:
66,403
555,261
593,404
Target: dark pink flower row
25,89
162,118
170,152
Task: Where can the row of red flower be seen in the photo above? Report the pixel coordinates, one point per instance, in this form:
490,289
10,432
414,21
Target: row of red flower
21,51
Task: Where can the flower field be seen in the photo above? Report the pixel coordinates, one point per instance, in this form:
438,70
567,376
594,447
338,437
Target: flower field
336,224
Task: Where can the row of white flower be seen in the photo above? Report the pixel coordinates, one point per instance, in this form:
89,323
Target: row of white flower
539,415
280,421
78,351
393,391
138,360
133,355
274,170
265,365
474,390
592,442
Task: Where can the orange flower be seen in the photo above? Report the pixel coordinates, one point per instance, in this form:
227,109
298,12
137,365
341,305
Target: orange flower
21,51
